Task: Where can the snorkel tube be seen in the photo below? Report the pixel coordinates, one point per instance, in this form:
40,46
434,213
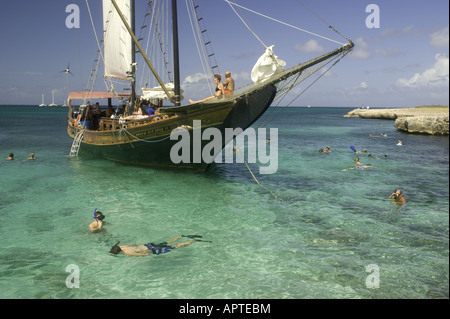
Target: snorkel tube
115,249
95,217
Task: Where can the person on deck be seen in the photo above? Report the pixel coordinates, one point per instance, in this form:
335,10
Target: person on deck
219,90
109,111
150,248
151,110
98,110
228,84
142,111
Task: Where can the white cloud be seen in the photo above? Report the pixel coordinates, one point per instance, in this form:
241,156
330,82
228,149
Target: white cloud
195,78
439,39
434,77
312,46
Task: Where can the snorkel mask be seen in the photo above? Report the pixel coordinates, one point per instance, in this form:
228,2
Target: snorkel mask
115,249
98,215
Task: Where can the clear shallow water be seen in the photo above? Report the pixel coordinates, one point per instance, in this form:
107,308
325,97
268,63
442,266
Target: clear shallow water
314,243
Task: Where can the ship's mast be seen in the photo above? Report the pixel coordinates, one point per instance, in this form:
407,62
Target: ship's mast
133,55
136,42
176,55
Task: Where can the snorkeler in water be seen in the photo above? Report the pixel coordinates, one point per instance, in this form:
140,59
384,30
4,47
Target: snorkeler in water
398,197
151,248
359,165
98,223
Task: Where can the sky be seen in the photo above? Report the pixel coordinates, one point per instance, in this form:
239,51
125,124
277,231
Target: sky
402,61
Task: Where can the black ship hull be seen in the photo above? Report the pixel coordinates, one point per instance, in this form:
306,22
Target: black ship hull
151,144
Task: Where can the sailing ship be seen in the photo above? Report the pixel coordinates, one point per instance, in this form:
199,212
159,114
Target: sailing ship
43,103
53,99
146,140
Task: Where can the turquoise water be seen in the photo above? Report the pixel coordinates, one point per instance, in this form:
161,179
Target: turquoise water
315,242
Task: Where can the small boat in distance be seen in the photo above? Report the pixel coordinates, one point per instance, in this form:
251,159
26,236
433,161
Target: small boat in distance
43,103
53,99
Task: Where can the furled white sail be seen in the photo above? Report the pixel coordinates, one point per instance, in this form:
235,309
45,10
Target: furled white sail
117,40
267,65
158,92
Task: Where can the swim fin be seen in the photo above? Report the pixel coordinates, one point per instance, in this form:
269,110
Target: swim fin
205,241
192,236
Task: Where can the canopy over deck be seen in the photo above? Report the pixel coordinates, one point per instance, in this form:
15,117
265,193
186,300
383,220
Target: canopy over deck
97,95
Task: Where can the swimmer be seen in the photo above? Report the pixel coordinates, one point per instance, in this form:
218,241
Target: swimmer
398,197
10,157
356,152
32,157
399,143
150,248
382,135
98,223
359,165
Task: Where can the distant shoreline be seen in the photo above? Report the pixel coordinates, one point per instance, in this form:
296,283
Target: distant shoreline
433,120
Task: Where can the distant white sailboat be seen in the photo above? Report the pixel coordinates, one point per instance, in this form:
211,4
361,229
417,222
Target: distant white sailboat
53,99
42,104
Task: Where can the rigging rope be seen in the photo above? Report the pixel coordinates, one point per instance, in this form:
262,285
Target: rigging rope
321,19
248,27
96,37
254,177
277,111
195,27
284,23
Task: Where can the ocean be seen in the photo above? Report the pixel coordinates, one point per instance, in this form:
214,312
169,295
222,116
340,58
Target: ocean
314,229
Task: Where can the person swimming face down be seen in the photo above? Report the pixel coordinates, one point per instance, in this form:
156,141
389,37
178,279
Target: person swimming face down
115,249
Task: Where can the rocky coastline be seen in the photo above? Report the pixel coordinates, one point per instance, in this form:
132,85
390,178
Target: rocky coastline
420,120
